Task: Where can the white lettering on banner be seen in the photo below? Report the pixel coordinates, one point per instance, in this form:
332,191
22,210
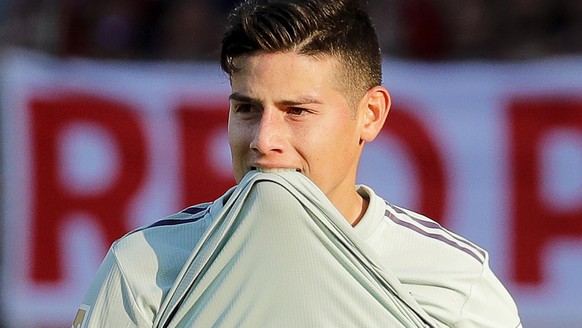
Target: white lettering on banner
89,156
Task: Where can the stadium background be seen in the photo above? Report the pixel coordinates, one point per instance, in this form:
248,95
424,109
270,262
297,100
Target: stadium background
459,53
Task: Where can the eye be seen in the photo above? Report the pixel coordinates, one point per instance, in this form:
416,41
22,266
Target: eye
297,111
243,108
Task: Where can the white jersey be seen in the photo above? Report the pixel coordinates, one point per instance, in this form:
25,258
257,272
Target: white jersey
446,275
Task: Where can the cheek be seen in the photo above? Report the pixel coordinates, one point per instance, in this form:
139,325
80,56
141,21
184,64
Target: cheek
236,133
237,147
344,147
237,152
333,138
343,135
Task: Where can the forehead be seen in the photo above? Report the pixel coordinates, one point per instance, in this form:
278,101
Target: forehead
288,68
289,61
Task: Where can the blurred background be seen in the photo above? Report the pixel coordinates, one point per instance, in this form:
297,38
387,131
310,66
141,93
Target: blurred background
450,65
432,30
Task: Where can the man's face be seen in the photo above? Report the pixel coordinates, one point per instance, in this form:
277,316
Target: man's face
289,111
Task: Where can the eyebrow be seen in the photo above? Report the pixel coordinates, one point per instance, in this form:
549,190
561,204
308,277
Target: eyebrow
237,96
240,97
302,101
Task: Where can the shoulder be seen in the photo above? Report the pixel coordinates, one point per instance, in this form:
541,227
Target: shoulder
189,215
447,274
178,232
148,260
159,250
393,230
141,267
421,231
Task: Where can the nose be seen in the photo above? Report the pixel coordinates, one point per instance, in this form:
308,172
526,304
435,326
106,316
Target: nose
268,134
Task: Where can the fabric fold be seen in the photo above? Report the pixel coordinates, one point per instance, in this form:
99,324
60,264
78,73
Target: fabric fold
279,254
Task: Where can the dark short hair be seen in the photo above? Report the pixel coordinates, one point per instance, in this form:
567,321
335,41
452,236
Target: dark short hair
339,28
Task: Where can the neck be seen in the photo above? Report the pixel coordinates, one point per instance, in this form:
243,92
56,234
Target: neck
353,208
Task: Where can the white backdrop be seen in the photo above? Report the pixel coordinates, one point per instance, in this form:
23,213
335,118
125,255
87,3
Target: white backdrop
91,150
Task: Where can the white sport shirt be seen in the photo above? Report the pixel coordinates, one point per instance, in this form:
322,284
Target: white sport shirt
448,276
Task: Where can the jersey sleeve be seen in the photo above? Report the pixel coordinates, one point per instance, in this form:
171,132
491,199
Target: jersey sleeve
489,304
110,301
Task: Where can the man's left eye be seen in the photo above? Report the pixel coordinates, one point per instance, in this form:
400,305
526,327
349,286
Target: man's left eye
296,111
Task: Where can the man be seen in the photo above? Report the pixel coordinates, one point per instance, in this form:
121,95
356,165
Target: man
306,98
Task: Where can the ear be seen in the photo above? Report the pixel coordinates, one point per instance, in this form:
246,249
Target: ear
374,108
